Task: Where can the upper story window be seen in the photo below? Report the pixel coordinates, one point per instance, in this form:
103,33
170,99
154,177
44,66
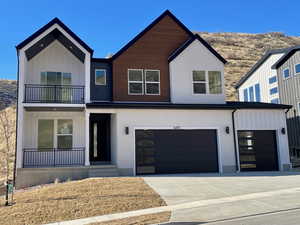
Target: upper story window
273,91
215,82
56,78
297,69
251,94
275,101
142,82
257,92
207,82
199,82
100,77
272,80
246,95
286,73
135,82
152,82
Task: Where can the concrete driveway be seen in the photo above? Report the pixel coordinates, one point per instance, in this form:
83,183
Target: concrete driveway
269,194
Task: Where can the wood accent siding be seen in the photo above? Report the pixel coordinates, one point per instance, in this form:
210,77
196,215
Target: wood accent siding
151,51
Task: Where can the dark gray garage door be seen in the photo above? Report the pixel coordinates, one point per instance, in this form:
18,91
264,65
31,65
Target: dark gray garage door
258,150
176,151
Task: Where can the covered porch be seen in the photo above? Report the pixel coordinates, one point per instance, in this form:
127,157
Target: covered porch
54,139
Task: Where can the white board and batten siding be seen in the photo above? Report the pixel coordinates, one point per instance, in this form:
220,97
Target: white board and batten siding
261,75
266,120
55,58
195,57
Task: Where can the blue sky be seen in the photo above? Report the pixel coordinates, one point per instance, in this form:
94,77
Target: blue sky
107,25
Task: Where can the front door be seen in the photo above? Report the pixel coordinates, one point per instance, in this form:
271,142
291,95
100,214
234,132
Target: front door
99,138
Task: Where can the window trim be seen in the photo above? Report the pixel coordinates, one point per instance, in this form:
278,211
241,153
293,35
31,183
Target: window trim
151,82
61,78
278,102
55,133
271,78
208,90
295,69
272,94
246,91
283,76
142,82
200,82
104,76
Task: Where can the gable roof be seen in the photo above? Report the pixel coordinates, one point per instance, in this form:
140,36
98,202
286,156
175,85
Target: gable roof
157,20
46,27
190,41
259,63
286,56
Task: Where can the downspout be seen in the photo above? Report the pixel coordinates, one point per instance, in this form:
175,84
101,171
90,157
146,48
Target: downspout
234,141
17,118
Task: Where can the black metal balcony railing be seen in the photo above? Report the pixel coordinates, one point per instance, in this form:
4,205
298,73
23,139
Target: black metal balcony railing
36,93
53,157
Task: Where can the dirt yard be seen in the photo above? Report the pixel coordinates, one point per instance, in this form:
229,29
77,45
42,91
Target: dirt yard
78,199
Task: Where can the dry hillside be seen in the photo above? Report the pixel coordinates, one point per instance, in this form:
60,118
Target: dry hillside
241,50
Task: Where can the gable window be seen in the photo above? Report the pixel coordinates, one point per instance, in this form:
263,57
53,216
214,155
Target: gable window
100,77
251,94
272,80
246,95
297,69
152,82
199,82
286,73
257,92
273,91
214,82
135,82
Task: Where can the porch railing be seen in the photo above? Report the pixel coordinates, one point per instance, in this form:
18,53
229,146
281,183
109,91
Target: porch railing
69,94
53,157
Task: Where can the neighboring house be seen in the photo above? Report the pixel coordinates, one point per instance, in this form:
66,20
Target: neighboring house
288,73
260,84
156,106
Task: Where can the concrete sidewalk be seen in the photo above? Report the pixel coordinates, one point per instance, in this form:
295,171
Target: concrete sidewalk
184,206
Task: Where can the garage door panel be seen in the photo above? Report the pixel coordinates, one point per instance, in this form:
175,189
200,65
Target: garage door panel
181,151
258,150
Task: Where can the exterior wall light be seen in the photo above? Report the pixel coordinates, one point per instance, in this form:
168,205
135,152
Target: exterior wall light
283,130
227,130
126,130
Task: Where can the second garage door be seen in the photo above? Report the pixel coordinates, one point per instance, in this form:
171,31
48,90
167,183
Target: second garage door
176,151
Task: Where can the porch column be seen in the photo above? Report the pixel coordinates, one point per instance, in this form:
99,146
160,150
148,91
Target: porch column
87,138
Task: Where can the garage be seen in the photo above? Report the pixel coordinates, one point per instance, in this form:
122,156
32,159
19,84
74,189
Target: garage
162,151
258,150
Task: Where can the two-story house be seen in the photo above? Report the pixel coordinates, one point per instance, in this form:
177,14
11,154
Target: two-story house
274,78
288,73
156,106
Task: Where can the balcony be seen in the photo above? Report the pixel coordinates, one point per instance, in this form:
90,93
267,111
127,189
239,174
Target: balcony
45,157
67,94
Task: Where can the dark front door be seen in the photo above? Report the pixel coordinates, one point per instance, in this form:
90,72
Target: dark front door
99,138
176,151
258,150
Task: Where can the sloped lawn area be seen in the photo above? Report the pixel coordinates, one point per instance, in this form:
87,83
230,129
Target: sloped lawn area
78,199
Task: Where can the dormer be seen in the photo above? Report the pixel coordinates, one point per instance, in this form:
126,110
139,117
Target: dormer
197,73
